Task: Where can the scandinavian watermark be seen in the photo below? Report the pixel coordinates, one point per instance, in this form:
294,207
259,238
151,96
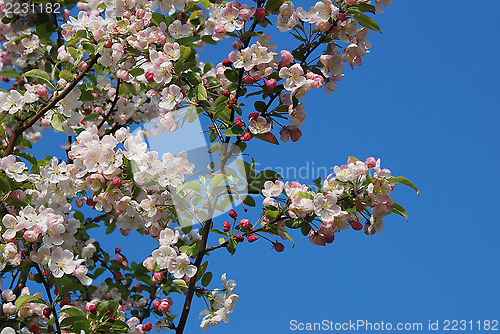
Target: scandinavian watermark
429,326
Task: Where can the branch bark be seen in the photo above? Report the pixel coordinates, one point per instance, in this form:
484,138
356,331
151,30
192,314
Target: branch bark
23,127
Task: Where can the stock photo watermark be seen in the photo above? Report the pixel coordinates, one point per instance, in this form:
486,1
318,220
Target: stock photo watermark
366,326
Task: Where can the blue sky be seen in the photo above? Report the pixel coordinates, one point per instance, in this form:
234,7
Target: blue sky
424,102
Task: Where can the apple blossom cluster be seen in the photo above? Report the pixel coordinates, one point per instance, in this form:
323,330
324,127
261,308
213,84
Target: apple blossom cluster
221,304
44,233
25,310
118,63
340,202
100,164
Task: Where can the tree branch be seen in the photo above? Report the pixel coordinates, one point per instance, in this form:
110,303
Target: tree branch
23,127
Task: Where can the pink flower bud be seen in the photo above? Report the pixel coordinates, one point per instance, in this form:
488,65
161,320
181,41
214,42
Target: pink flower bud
4,78
295,133
237,44
117,182
371,162
323,26
157,277
8,295
147,327
245,224
253,115
271,83
148,263
140,13
248,79
226,226
239,123
260,14
127,15
341,17
356,225
91,308
286,57
82,65
284,136
233,214
239,238
227,63
149,77
156,303
316,238
279,247
269,137
79,202
30,235
123,75
219,28
252,238
226,92
18,195
246,136
66,13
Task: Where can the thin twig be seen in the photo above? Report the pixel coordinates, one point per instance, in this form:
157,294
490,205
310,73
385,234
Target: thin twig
23,127
49,296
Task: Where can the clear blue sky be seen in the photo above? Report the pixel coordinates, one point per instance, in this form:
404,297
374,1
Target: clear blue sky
424,102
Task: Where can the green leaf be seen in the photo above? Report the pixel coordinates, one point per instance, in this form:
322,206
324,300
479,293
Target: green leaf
216,147
231,75
180,283
185,53
193,185
218,180
231,246
207,278
21,300
4,185
246,169
399,210
273,6
405,181
268,175
90,117
23,142
367,21
249,201
366,7
303,194
10,73
260,106
98,272
57,120
201,271
38,74
208,39
73,312
136,71
305,228
111,227
202,92
234,131
29,157
66,75
104,307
